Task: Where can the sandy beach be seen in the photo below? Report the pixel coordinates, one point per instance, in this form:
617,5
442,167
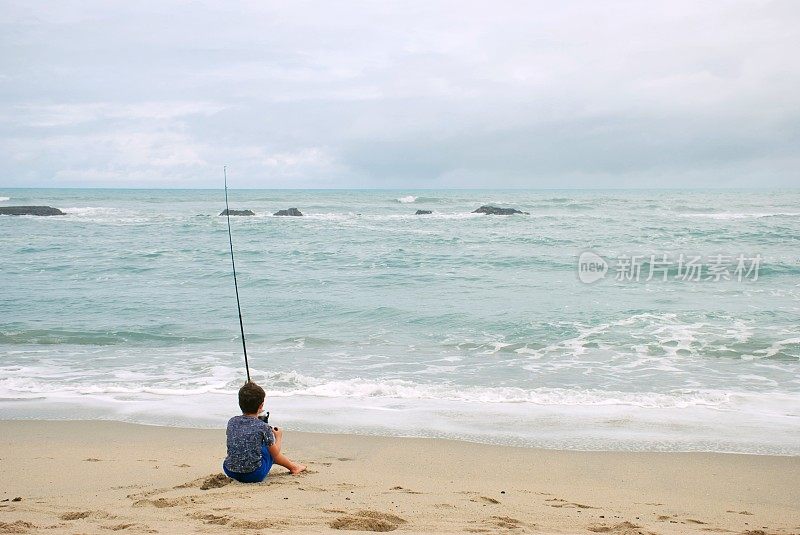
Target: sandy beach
96,477
492,267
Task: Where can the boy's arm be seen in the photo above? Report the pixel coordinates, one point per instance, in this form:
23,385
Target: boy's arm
278,457
278,434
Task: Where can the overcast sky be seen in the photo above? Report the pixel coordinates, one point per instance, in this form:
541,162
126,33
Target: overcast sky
400,94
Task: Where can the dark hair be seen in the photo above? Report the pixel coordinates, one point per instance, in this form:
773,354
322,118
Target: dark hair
251,396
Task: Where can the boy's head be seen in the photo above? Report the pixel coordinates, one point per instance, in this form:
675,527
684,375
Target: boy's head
251,396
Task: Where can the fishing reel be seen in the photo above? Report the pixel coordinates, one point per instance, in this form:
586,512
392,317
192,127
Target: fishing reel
265,418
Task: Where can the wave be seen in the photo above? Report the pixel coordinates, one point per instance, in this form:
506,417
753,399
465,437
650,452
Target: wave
110,216
3,199
418,199
778,268
97,338
357,388
294,384
302,342
350,216
781,348
666,341
25,384
694,209
91,211
739,215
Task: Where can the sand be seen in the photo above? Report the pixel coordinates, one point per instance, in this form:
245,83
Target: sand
102,477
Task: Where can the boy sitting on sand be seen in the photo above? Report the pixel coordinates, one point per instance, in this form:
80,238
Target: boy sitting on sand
253,445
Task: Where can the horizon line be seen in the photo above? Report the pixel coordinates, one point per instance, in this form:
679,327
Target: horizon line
140,188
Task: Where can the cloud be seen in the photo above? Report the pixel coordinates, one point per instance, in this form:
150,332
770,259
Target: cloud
411,94
60,115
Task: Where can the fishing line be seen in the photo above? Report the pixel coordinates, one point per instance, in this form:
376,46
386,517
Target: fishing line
233,265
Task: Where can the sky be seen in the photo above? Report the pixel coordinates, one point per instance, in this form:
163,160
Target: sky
411,94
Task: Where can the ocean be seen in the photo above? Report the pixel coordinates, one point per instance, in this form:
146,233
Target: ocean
362,317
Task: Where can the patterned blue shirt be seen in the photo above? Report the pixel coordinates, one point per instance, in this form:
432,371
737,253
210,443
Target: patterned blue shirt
246,435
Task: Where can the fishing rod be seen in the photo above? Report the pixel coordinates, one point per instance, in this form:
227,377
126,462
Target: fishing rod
233,265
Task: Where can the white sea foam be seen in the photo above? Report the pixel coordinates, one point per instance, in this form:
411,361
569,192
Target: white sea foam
3,199
291,384
355,217
407,199
174,394
90,211
107,215
680,421
406,390
342,216
779,346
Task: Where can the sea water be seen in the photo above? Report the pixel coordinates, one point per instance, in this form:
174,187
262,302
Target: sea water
362,317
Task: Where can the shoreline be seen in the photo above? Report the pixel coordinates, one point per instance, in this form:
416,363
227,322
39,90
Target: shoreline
389,434
92,476
761,426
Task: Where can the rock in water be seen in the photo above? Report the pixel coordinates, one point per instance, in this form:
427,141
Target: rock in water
494,210
423,212
237,212
30,210
290,211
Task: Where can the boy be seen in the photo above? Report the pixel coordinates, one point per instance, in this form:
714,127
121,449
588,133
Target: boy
253,445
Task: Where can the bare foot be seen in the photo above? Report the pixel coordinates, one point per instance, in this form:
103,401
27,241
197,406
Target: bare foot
297,468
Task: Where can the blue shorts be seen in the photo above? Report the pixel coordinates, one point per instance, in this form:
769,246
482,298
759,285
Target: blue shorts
256,475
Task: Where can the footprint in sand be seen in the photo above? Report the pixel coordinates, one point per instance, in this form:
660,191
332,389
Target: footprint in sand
623,528
217,520
78,515
223,520
505,522
368,521
485,499
18,526
494,522
256,524
75,515
564,503
214,481
119,527
161,503
407,491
